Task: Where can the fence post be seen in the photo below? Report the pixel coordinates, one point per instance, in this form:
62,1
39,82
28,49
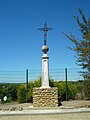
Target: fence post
26,85
66,84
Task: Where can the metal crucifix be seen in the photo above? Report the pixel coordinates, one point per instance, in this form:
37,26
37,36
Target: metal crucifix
45,29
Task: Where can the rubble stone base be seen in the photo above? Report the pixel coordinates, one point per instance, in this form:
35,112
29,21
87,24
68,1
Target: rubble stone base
45,97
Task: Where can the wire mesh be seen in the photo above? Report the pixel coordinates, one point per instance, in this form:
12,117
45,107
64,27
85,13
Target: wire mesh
12,76
73,74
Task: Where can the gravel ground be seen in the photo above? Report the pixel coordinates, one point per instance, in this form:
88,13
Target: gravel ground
72,104
66,116
77,103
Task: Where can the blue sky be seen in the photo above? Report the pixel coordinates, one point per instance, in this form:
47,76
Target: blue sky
21,42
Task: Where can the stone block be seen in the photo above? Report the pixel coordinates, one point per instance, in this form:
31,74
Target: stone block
45,97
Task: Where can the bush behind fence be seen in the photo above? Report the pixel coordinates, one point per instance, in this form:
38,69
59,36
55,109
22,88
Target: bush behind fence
18,85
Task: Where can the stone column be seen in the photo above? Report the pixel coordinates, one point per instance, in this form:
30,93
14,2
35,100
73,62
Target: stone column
45,71
45,68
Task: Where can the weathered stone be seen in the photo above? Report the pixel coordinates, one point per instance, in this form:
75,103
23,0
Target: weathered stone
45,97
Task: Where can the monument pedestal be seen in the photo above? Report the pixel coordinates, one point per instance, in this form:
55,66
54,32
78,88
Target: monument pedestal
45,97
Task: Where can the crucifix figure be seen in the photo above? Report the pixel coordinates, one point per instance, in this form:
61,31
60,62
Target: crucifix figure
45,29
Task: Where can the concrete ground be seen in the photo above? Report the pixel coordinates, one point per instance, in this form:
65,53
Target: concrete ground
68,116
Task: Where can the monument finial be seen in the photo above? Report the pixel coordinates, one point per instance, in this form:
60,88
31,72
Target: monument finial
45,29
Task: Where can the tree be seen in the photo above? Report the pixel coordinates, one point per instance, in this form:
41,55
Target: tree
82,46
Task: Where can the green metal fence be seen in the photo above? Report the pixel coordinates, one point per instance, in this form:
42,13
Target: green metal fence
28,75
73,74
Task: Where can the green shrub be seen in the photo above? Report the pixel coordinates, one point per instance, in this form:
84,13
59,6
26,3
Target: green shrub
22,94
86,89
9,90
73,88
37,83
22,91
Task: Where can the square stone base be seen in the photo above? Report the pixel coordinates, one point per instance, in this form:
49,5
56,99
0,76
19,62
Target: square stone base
45,97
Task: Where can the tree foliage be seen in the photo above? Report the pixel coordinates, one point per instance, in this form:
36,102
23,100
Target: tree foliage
82,46
82,49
